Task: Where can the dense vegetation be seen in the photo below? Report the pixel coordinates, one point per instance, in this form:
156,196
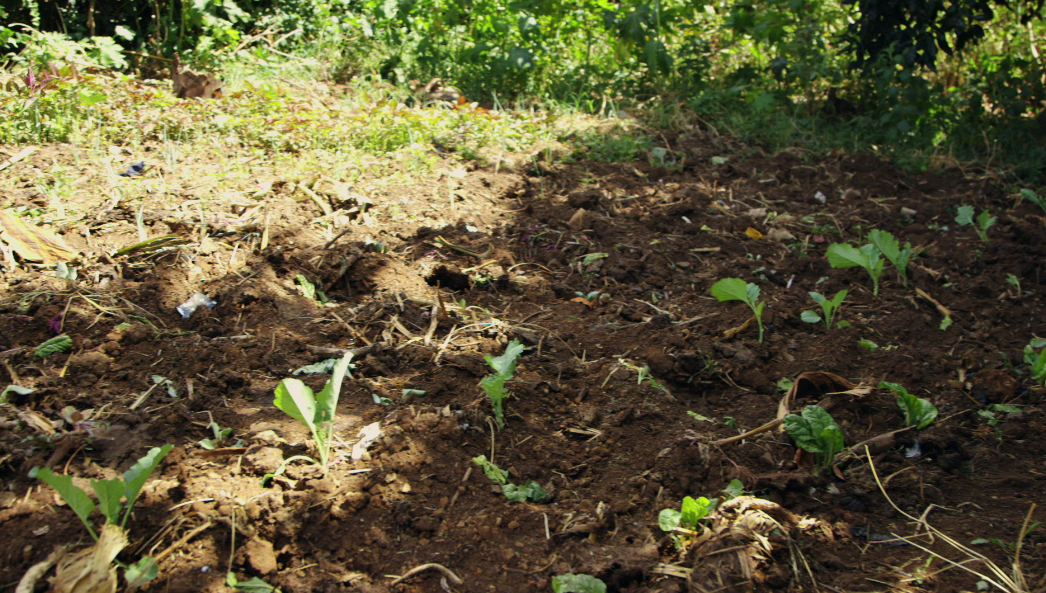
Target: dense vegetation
957,83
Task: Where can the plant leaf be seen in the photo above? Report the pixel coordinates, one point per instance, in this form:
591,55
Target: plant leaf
669,519
577,583
495,473
817,297
964,215
506,363
810,317
62,343
886,243
135,477
730,289
73,495
843,255
327,398
109,493
297,400
141,572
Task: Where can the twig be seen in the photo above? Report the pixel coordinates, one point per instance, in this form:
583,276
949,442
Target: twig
185,538
356,352
417,569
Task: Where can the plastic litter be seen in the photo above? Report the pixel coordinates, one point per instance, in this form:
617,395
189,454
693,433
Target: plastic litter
134,170
188,307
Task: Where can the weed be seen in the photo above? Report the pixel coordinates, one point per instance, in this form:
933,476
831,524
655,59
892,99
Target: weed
315,410
829,307
1034,198
917,412
736,289
494,385
220,436
843,255
816,432
683,524
984,221
643,375
529,491
1037,360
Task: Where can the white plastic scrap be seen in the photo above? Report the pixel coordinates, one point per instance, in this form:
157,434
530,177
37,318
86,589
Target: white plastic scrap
186,309
368,434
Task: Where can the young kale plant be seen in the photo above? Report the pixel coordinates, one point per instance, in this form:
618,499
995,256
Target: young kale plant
736,289
684,522
816,432
984,221
494,385
1037,360
829,307
917,412
116,498
315,410
891,248
529,491
844,255
577,583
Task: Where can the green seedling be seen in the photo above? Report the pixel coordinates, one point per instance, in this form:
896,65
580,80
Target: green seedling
643,373
843,255
1034,198
220,436
530,491
494,385
1037,360
891,248
829,307
734,489
116,497
577,583
917,412
784,384
684,523
736,289
700,418
984,221
62,343
254,585
816,432
315,410
991,414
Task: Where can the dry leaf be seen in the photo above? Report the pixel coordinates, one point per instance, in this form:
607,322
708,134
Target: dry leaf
753,233
91,570
34,243
781,235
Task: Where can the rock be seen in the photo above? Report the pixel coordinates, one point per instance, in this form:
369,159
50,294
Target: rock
263,459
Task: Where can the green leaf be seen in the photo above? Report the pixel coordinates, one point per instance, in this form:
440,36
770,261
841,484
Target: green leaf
693,510
62,343
917,412
529,491
816,432
668,519
577,583
886,243
327,398
867,344
135,477
810,317
734,489
842,255
818,298
699,417
495,473
964,215
307,289
109,493
297,400
591,257
413,392
14,389
985,221
73,496
505,364
837,300
731,289
255,585
124,33
141,572
317,368
208,444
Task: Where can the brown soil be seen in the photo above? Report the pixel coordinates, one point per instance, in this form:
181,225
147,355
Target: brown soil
610,451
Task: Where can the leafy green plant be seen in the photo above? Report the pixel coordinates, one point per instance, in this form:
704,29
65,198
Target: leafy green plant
984,221
917,412
644,374
1034,198
315,410
116,497
1037,360
815,431
577,583
252,585
494,385
736,289
829,307
529,491
991,413
891,248
62,343
689,515
844,255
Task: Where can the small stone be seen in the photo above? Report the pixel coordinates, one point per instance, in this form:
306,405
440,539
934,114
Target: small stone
261,556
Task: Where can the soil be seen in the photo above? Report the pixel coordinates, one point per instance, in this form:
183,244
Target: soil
599,270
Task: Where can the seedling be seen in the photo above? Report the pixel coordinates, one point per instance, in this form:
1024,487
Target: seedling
1034,198
530,491
844,255
736,289
220,436
254,585
829,307
685,522
315,410
1037,360
577,583
504,367
891,248
816,432
984,221
116,497
917,412
643,375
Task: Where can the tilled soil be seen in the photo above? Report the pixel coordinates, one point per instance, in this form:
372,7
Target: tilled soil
601,271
